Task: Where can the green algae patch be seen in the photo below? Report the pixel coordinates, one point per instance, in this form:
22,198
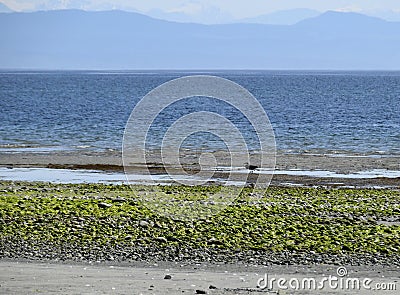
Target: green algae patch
301,220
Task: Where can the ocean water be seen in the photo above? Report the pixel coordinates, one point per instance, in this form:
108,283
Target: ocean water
310,112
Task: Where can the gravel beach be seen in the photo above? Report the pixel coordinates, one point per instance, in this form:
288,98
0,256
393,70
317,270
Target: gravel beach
117,261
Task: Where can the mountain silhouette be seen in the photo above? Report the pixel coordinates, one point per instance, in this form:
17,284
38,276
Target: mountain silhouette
4,8
75,39
282,17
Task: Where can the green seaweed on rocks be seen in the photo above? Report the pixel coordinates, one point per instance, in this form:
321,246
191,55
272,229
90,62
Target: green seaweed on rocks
107,222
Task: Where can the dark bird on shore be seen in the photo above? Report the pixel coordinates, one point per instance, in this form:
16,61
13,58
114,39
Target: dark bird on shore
250,167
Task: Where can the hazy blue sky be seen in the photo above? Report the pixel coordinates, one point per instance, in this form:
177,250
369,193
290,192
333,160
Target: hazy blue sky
234,8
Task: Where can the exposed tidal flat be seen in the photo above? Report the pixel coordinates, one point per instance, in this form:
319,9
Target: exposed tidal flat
330,170
281,226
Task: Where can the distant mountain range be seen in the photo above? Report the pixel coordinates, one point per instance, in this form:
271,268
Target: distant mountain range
204,14
216,16
74,39
282,17
210,15
4,8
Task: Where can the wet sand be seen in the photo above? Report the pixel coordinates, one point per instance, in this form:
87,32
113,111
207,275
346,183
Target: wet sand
112,162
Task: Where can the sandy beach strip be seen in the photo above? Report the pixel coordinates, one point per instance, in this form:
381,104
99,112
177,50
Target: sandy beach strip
112,161
29,277
291,169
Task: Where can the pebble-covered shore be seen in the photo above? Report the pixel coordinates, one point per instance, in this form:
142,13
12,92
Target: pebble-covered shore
13,248
287,226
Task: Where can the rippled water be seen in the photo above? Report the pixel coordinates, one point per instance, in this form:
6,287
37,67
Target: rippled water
316,112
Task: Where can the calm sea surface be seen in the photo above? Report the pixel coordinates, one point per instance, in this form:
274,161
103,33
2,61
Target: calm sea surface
315,112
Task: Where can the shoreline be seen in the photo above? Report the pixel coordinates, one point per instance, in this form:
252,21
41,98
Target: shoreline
291,169
291,178
112,161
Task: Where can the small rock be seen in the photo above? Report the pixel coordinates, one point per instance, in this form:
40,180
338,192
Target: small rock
214,241
363,219
212,287
172,239
346,248
119,200
167,277
201,292
161,239
144,223
104,205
